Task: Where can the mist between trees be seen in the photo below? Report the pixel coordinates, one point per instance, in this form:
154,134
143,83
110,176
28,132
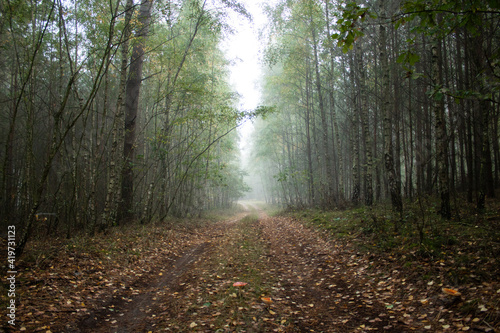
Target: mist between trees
115,111
119,110
380,101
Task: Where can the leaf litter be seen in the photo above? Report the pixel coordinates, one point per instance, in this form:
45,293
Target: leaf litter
246,274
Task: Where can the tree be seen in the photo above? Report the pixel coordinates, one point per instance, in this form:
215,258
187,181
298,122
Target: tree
394,188
132,92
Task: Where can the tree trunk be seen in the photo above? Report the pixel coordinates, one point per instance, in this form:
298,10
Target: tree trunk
440,128
113,194
328,195
310,174
334,113
368,172
132,93
394,189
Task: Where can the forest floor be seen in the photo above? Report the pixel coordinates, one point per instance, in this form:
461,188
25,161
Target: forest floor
298,279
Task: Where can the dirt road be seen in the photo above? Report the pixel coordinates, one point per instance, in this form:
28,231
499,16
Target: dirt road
180,278
296,282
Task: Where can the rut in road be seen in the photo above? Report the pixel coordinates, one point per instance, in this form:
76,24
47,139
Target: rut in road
137,311
129,317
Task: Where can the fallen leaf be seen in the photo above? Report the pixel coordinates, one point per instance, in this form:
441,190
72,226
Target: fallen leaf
267,300
451,292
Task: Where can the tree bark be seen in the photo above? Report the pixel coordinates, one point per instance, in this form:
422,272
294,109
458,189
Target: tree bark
113,193
328,196
394,189
368,172
334,113
440,128
132,93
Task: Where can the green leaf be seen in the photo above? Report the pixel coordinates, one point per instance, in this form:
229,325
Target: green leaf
413,59
416,76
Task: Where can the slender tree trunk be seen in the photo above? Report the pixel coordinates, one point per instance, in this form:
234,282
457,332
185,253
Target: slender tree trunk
328,196
113,194
394,189
440,128
334,113
486,187
368,167
310,177
132,94
354,138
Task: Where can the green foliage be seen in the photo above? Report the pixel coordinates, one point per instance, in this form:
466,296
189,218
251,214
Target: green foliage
443,17
350,17
262,111
408,57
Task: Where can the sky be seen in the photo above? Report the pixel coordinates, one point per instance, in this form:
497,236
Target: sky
244,49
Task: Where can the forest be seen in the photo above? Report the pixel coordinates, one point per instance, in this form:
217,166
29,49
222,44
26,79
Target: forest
373,165
381,101
115,111
123,111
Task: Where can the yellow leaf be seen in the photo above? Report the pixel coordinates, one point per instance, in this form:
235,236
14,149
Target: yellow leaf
272,312
193,325
267,300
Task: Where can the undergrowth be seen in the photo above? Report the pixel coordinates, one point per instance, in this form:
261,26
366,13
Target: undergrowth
468,244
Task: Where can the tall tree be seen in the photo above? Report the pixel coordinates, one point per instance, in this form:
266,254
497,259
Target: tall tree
393,185
132,93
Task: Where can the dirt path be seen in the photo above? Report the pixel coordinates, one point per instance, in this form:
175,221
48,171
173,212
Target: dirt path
296,279
297,282
180,279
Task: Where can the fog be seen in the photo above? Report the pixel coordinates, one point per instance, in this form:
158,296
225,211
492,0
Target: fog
253,177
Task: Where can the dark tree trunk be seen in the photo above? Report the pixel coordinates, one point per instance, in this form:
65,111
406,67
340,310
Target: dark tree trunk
441,137
394,189
132,93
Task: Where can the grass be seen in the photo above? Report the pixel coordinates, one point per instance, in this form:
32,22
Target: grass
468,242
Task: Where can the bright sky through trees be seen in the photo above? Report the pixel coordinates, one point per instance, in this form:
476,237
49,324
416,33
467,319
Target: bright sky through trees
243,49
